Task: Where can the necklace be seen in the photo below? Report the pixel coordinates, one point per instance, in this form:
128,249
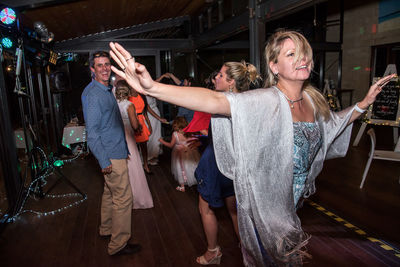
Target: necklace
292,101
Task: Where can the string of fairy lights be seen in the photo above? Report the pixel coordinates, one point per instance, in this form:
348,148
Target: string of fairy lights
37,184
332,101
367,118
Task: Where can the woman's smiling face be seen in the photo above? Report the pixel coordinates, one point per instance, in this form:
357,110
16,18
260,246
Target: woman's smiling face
286,66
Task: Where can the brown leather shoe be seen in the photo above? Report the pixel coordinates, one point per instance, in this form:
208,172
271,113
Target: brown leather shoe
129,249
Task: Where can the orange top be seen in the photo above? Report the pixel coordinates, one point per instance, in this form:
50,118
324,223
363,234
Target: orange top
139,106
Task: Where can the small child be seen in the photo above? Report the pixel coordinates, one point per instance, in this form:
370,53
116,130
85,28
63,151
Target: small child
184,159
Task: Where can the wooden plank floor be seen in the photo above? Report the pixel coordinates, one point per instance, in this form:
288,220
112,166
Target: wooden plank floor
171,233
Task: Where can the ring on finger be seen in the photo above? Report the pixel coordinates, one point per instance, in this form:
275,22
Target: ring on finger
128,59
123,69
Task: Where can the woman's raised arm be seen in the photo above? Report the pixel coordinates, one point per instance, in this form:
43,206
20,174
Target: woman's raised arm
194,98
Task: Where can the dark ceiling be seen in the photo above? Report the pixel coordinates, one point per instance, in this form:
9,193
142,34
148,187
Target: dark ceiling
69,19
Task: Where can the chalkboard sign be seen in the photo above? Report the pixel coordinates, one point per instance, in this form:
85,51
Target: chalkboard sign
386,109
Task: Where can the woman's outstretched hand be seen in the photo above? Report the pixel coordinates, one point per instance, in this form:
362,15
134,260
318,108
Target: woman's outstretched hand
374,90
135,74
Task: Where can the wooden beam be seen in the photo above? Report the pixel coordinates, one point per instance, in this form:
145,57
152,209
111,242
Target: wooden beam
119,33
130,44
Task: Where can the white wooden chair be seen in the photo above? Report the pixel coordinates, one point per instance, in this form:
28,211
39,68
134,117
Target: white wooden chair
379,154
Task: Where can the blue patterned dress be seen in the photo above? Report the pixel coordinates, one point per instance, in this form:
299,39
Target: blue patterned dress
307,141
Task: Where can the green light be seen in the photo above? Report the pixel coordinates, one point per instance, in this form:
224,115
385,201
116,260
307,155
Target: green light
77,139
71,133
58,163
6,42
356,68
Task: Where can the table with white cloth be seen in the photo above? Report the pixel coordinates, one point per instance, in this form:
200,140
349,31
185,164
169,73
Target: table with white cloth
20,139
73,134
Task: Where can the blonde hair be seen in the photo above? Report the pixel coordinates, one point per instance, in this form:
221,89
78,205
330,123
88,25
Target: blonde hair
302,50
243,73
179,123
122,90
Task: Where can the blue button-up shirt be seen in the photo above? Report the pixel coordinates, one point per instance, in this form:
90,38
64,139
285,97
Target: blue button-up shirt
104,126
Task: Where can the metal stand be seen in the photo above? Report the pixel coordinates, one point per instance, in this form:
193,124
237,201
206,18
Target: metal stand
64,178
38,163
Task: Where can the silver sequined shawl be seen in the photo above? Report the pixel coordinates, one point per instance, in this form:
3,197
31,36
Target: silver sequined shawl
254,147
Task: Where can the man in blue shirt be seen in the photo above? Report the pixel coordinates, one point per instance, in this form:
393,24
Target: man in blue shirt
106,140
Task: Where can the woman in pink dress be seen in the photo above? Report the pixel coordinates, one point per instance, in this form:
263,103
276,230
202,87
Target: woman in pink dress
142,198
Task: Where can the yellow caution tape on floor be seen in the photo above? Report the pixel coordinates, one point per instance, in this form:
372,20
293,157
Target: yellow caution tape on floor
357,230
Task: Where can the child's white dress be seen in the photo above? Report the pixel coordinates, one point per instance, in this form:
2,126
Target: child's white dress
184,161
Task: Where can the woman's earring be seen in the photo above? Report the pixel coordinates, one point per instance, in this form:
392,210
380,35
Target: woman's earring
230,88
276,75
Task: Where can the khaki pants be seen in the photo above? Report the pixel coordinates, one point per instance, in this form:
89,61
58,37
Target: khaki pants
116,206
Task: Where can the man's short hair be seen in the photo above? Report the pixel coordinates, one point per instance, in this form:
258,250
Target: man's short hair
96,55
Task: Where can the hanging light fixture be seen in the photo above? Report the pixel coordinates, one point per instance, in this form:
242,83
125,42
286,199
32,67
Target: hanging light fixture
43,34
